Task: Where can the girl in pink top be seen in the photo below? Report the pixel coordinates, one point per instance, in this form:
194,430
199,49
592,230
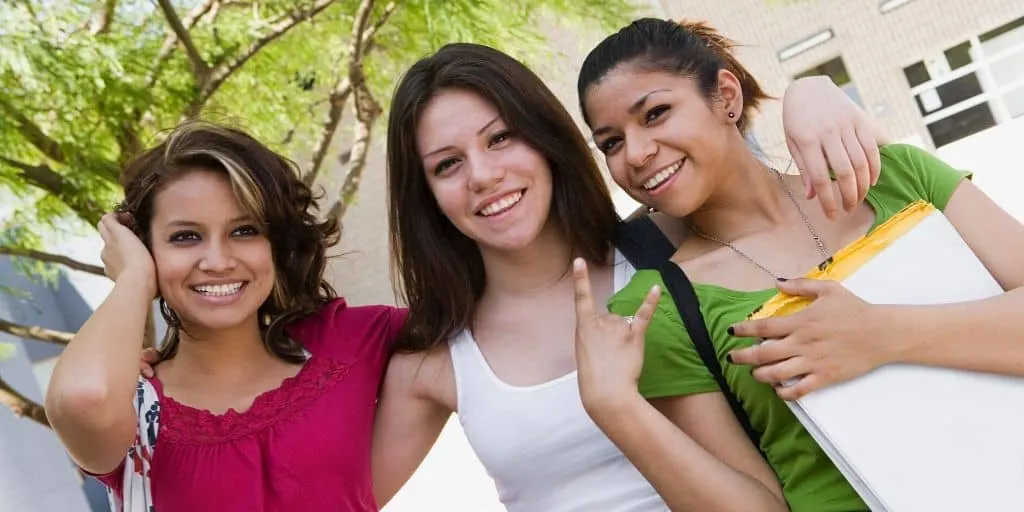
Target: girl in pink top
267,383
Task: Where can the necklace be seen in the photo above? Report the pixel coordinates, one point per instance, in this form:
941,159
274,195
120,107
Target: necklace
810,229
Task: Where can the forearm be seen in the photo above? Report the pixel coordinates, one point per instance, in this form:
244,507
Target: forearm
686,475
95,377
985,335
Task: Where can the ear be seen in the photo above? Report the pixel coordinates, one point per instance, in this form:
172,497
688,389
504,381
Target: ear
730,94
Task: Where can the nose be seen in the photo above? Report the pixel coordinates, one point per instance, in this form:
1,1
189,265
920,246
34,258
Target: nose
218,257
484,174
639,151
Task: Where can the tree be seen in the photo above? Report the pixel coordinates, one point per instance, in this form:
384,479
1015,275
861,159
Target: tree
86,84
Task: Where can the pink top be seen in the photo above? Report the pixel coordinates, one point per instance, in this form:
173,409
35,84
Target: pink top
302,446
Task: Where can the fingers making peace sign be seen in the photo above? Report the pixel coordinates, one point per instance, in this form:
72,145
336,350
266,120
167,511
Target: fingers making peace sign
609,347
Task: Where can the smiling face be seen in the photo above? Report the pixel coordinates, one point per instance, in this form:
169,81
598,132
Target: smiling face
490,184
664,141
214,265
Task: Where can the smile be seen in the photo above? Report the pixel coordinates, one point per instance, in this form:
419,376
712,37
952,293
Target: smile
663,175
502,205
219,290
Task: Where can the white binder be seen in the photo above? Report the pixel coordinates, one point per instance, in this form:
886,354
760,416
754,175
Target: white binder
913,438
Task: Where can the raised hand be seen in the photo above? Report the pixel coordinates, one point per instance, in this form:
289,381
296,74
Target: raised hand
124,253
609,348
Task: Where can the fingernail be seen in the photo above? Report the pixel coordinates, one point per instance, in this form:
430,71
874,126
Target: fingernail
782,279
577,264
728,357
731,331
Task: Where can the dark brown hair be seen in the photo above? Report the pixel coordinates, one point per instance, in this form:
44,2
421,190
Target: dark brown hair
688,48
268,187
438,271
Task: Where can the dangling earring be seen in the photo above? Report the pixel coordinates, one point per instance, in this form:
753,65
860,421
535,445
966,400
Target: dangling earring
732,115
266,319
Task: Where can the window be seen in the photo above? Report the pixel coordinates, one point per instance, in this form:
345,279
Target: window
971,86
836,70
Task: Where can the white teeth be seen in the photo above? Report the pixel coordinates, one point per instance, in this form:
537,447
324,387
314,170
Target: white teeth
218,289
663,175
502,204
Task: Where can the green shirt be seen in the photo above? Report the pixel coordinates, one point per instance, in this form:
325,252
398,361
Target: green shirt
672,367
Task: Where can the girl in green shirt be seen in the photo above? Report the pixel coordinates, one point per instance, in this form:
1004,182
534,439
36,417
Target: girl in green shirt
668,106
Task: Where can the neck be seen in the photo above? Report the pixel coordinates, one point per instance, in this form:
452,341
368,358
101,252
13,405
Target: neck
221,355
546,262
747,199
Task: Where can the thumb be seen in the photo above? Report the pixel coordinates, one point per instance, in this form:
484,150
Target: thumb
584,298
801,164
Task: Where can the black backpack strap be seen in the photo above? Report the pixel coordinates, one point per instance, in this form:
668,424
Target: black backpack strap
685,297
643,244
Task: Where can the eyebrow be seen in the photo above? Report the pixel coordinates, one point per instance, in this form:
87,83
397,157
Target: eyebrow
478,132
636,106
191,224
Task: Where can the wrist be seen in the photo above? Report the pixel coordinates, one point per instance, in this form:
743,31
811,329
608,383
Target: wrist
905,329
612,405
138,279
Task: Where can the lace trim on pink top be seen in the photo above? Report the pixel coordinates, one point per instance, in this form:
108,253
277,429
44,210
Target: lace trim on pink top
180,423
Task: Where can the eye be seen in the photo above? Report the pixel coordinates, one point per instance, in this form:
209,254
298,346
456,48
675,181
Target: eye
608,144
246,231
654,113
181,237
445,164
499,138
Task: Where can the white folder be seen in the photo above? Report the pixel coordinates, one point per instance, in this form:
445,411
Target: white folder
914,438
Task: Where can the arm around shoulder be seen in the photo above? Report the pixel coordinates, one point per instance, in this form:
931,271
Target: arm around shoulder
409,419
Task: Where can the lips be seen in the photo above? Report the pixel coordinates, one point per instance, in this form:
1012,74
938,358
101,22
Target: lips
663,175
502,204
220,289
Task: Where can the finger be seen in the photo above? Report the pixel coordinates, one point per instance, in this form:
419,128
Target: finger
798,159
770,351
800,388
859,161
584,299
869,144
839,162
643,315
821,183
782,371
810,288
151,355
146,370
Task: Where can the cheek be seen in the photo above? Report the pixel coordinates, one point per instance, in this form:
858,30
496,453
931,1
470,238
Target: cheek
450,197
172,265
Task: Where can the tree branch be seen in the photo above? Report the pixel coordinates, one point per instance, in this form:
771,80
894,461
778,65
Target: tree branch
21,406
35,332
44,178
52,258
338,99
31,131
361,42
200,69
167,49
224,70
102,19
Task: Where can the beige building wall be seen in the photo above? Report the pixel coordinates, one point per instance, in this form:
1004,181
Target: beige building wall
875,47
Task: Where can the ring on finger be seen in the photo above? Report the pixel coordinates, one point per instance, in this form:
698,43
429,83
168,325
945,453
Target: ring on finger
628,319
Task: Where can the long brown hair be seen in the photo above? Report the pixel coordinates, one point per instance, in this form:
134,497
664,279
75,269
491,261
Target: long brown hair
268,187
438,271
687,48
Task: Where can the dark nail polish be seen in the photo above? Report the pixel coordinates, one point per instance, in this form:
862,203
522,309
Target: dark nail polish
728,357
731,331
782,279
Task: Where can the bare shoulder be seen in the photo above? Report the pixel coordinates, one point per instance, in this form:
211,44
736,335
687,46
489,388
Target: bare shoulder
426,375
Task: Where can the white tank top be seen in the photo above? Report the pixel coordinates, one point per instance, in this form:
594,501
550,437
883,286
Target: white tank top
538,444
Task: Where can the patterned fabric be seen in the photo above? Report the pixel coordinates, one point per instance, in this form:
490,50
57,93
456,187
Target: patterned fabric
137,493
